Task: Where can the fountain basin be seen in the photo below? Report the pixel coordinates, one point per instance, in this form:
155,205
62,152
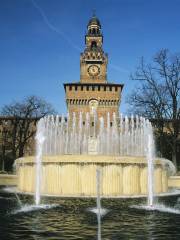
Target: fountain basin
75,175
8,180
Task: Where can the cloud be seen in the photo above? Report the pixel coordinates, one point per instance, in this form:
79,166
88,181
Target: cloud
53,28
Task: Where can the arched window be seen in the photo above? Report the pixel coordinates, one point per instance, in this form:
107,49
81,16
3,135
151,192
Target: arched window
93,31
93,44
93,104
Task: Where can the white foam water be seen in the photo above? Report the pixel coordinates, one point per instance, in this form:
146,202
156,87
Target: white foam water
102,211
6,198
158,207
30,208
10,189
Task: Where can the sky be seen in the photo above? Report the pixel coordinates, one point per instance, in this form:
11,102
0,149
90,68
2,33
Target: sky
41,42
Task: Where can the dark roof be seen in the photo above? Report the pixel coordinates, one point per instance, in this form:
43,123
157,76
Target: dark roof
94,84
94,21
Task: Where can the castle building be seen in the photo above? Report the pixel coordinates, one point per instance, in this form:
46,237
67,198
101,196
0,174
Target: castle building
93,93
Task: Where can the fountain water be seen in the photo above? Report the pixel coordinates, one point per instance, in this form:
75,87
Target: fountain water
98,179
122,147
117,136
150,158
99,211
39,141
18,199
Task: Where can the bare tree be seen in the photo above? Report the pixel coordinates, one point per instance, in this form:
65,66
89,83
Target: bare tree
157,96
23,118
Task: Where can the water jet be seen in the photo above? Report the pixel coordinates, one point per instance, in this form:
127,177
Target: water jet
69,157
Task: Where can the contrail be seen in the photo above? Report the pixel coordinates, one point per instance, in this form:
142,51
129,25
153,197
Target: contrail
52,27
117,68
65,37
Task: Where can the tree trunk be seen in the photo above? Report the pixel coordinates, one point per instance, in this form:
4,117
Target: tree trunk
21,150
3,158
14,138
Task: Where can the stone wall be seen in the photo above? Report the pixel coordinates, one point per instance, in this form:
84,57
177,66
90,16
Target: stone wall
8,180
79,97
75,175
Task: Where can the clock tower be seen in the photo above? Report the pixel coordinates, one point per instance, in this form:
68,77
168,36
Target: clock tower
93,61
93,93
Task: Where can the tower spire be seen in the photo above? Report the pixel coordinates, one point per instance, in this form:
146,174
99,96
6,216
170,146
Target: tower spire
93,60
94,12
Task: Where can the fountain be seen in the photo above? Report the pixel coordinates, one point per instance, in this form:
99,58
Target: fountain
97,155
39,147
98,179
93,135
70,150
150,158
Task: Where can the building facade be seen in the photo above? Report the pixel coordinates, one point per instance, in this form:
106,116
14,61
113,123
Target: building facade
93,93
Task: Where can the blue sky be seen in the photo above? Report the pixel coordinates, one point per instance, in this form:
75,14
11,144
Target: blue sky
41,41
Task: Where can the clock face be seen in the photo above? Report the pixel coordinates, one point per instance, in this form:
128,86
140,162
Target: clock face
93,70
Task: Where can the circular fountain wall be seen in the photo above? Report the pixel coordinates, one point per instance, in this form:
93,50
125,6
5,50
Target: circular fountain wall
75,175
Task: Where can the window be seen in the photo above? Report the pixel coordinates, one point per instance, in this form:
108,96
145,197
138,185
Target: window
93,104
93,45
70,88
75,88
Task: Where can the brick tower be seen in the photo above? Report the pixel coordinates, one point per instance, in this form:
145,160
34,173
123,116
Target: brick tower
93,93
